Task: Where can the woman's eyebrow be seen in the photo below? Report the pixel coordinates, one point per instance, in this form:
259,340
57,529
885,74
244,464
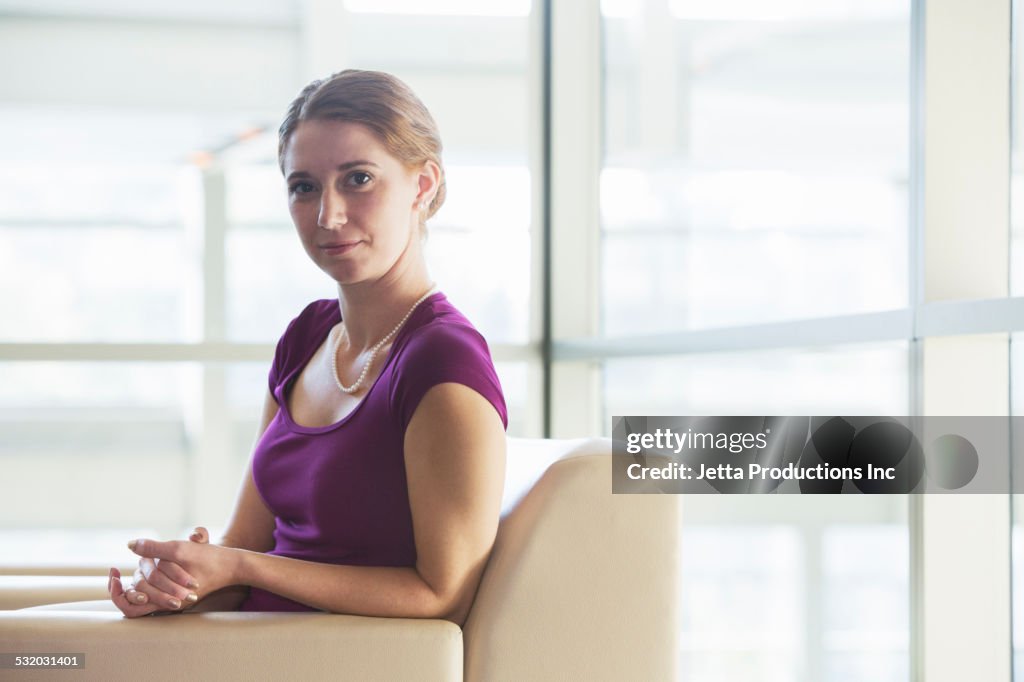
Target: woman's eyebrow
341,167
360,162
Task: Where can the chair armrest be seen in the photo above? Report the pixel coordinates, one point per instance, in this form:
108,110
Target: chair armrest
581,584
21,591
235,645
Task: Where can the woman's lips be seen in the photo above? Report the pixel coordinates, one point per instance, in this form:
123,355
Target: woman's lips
338,248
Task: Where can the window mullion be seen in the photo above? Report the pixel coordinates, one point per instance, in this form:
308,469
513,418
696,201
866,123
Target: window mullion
965,540
575,121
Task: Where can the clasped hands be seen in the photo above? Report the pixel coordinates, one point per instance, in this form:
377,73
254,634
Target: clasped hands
173,576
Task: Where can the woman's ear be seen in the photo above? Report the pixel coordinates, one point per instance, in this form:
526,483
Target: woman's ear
429,178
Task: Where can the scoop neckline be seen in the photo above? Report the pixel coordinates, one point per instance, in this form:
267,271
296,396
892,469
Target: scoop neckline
279,391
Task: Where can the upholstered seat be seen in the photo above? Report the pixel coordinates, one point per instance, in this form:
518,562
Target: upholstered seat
581,585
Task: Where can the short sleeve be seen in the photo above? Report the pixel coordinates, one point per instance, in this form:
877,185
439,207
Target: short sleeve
274,376
444,353
289,346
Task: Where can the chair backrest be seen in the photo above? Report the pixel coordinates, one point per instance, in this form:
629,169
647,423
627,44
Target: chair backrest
582,584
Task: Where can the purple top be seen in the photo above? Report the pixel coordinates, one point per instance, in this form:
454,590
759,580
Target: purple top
338,492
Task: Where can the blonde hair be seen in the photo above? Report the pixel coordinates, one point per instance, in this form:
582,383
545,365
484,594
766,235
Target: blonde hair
382,103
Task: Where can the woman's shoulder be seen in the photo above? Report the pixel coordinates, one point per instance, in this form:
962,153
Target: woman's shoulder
304,332
440,345
440,332
317,313
320,309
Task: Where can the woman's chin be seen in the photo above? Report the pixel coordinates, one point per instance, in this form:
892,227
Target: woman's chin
344,274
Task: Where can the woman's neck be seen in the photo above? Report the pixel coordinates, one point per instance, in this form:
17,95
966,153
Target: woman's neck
371,310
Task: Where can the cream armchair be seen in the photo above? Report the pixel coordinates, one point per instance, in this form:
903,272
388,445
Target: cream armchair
582,584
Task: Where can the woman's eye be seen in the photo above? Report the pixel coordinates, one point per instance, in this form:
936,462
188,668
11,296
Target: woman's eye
359,178
301,188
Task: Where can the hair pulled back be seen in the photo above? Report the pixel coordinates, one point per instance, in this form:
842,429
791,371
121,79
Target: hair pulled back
382,103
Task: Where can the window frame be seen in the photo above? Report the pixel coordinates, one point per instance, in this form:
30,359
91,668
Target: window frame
958,300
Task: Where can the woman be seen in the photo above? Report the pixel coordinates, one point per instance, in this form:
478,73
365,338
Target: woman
375,486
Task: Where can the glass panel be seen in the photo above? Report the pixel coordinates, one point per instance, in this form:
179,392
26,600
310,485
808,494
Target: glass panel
78,245
1017,562
732,627
854,380
1016,341
514,377
1017,159
67,551
92,197
756,162
110,441
485,276
1017,504
780,587
866,612
269,281
269,278
774,589
454,7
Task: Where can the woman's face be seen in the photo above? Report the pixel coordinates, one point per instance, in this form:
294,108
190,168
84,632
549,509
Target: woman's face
355,206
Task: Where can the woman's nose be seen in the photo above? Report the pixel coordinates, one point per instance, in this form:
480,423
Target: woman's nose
332,210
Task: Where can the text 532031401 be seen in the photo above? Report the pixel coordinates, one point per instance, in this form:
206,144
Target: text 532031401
42,660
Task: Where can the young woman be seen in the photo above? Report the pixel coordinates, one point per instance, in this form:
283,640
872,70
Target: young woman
375,485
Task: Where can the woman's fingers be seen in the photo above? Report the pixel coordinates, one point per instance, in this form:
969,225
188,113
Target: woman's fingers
133,595
159,581
155,549
146,567
166,596
159,593
175,573
157,572
175,592
120,600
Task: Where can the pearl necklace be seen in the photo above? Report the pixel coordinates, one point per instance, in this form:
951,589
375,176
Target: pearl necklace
373,351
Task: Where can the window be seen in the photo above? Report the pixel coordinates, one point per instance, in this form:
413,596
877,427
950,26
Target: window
148,259
754,178
778,226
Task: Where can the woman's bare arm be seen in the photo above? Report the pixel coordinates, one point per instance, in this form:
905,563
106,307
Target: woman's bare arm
455,464
250,527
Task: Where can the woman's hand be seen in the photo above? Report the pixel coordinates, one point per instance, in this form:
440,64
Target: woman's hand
117,595
164,583
211,567
158,585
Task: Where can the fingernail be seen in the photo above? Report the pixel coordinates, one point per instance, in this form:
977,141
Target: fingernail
139,598
131,544
192,584
175,604
192,597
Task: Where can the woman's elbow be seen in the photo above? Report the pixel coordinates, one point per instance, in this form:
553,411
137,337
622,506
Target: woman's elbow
450,602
